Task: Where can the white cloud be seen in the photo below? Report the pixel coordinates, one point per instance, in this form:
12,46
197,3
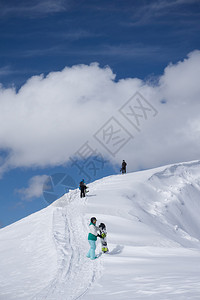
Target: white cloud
6,70
34,189
33,8
51,117
152,10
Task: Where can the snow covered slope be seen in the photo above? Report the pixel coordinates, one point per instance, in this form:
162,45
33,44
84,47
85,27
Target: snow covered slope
153,225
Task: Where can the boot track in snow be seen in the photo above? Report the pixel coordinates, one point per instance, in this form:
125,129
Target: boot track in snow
75,272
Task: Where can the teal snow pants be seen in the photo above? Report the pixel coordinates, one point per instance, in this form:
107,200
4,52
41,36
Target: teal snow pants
91,252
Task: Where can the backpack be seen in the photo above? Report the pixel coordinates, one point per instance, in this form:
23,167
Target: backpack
81,184
124,165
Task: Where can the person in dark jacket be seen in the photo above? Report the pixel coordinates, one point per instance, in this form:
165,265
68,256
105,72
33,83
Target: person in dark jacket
123,169
82,187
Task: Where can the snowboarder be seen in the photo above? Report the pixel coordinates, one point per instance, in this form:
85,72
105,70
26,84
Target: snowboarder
103,234
92,237
82,187
123,168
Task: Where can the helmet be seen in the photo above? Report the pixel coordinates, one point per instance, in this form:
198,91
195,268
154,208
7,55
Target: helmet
102,226
93,219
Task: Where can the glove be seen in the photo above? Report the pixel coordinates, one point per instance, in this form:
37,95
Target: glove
98,235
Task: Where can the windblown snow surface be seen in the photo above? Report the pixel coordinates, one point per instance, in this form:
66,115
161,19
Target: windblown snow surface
153,224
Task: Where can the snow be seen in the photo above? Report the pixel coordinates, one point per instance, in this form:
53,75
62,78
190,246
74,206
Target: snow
153,223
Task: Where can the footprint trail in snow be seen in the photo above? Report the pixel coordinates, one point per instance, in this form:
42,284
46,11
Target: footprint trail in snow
75,273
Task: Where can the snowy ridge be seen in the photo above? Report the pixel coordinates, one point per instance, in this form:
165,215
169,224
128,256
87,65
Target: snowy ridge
153,224
179,187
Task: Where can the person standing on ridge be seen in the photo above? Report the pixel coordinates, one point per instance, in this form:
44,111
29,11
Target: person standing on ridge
92,237
123,168
82,187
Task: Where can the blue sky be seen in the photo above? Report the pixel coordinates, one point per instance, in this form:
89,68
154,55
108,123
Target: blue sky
135,39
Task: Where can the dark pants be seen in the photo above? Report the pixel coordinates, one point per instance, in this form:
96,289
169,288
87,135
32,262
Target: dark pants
82,192
123,170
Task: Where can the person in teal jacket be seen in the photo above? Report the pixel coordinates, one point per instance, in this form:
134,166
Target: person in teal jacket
92,237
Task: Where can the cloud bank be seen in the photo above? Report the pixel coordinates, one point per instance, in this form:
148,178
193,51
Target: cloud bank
34,189
50,118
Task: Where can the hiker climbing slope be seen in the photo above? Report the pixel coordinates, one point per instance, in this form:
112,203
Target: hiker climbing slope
123,168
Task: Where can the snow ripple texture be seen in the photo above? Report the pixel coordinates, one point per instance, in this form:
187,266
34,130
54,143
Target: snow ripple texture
76,272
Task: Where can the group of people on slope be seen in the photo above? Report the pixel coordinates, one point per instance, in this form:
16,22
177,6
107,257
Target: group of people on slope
83,187
97,231
94,232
